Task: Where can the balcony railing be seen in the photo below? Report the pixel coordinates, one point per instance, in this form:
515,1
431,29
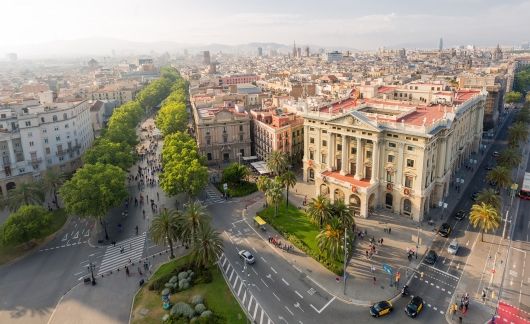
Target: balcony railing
35,160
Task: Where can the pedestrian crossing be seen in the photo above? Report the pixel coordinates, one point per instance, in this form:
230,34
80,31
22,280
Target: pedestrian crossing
115,258
240,290
213,196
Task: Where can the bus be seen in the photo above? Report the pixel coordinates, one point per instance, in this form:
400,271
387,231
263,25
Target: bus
524,193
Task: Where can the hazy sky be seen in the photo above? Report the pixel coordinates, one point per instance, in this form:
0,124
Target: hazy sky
357,24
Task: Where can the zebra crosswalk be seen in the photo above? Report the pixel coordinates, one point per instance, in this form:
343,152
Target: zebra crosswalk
114,257
242,293
213,196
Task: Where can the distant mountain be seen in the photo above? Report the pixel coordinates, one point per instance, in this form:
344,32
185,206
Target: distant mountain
103,46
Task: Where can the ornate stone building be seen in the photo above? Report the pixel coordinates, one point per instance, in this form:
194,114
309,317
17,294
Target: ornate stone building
397,155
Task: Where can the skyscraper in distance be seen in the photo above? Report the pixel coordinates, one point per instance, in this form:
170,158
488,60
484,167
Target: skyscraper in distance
441,44
206,57
260,51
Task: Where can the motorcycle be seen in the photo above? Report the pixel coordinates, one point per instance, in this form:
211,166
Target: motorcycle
405,291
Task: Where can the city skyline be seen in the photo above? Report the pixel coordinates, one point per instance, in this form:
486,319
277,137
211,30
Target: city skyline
337,24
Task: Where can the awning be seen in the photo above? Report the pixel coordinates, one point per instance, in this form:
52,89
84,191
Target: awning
250,158
260,220
261,167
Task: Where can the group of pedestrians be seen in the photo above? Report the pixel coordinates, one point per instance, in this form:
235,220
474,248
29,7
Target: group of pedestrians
276,242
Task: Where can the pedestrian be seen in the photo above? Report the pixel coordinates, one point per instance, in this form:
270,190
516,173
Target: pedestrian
122,249
157,196
460,319
367,253
374,280
381,241
127,271
389,229
139,271
136,228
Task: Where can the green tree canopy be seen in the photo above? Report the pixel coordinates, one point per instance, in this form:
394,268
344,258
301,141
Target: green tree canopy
172,117
500,175
277,162
319,210
288,180
274,193
52,181
235,173
490,197
513,96
26,224
26,193
106,152
93,190
208,246
154,93
165,228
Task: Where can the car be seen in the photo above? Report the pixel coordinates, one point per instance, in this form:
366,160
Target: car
488,167
474,196
453,247
495,154
461,214
444,230
431,257
381,308
247,256
414,307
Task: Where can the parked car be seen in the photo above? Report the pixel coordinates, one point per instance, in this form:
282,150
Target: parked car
247,256
414,307
495,154
381,308
474,196
461,214
431,257
444,230
488,167
453,247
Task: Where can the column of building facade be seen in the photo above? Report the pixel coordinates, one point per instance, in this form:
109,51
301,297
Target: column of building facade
12,158
399,176
306,141
375,162
331,158
441,162
358,159
448,151
344,157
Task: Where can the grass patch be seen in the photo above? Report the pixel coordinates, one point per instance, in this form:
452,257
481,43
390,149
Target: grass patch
218,297
295,226
244,188
11,252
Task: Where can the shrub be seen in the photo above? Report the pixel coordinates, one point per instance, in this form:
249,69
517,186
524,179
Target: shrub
200,308
183,275
197,299
206,313
27,223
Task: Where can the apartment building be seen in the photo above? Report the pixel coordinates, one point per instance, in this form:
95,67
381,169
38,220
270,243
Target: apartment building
222,130
276,130
37,136
394,154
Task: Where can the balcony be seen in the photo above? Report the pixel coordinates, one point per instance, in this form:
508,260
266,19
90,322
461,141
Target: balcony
61,152
35,160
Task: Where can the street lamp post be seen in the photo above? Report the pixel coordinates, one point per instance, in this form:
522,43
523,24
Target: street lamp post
345,259
418,240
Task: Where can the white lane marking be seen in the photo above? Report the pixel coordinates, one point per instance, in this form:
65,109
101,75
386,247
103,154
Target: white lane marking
254,271
263,259
224,262
77,274
235,282
255,311
297,269
250,302
261,317
231,275
285,282
435,308
444,272
323,307
273,270
244,297
240,286
264,283
289,310
296,292
276,296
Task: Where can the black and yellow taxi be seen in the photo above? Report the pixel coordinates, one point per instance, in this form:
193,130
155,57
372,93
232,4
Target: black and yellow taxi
414,307
381,308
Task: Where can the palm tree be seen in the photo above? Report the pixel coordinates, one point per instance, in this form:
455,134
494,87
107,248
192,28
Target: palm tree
52,181
208,246
500,175
510,157
489,197
263,183
25,194
484,216
165,228
274,194
343,213
193,217
277,162
330,239
289,180
319,210
518,132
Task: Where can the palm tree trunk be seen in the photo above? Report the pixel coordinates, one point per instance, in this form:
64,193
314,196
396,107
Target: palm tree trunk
287,201
482,236
55,198
276,210
170,242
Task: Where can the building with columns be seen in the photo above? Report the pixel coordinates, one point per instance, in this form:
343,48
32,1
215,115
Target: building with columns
391,154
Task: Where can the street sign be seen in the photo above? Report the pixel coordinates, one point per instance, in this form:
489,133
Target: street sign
387,269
